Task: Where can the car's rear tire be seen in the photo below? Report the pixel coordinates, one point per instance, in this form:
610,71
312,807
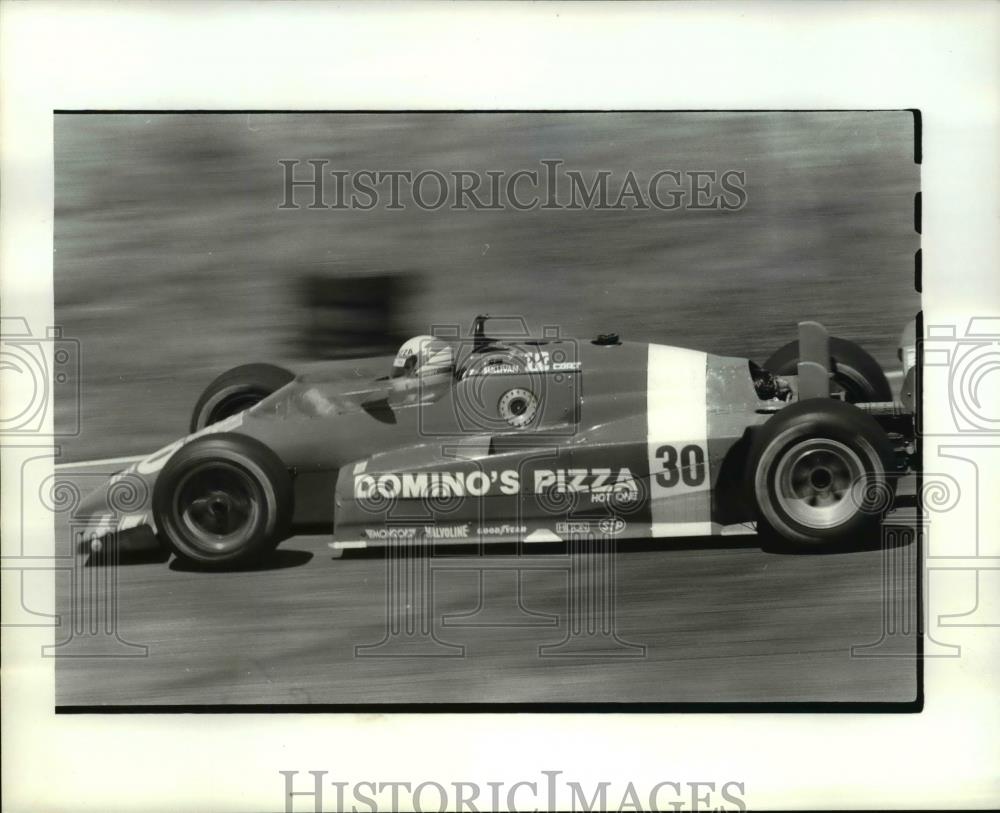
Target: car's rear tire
236,390
821,475
223,501
854,371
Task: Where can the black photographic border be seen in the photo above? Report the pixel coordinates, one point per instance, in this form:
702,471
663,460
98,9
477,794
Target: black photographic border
752,707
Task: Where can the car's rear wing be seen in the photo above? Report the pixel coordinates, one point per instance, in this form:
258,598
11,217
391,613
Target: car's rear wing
908,358
897,417
814,361
814,370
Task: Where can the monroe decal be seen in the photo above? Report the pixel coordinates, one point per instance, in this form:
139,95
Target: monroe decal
424,531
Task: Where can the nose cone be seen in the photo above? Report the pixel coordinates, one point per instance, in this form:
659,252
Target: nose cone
122,502
94,504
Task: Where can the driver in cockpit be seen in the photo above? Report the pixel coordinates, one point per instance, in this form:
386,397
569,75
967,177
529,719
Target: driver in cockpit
422,365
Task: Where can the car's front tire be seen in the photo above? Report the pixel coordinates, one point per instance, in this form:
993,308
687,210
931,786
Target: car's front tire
223,501
821,474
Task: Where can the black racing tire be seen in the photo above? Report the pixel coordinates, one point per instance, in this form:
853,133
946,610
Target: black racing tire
820,472
223,501
854,370
236,390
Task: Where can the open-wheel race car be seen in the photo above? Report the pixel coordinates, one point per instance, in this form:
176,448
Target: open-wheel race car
493,437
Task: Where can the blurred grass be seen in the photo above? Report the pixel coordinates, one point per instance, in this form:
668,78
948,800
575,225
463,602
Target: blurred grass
173,262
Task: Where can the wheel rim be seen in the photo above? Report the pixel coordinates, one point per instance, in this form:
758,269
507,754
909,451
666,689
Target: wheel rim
218,506
813,483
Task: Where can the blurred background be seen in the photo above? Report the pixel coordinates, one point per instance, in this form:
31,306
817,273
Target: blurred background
173,261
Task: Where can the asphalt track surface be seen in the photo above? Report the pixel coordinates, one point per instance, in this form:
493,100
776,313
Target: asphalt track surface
694,620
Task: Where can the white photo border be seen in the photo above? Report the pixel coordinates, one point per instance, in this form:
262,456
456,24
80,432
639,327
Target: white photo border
941,58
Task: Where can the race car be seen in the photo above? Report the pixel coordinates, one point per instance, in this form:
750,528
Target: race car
494,437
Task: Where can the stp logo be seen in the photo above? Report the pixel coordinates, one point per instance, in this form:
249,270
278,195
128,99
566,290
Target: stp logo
612,526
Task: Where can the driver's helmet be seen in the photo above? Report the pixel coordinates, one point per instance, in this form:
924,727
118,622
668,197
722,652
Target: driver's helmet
423,356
